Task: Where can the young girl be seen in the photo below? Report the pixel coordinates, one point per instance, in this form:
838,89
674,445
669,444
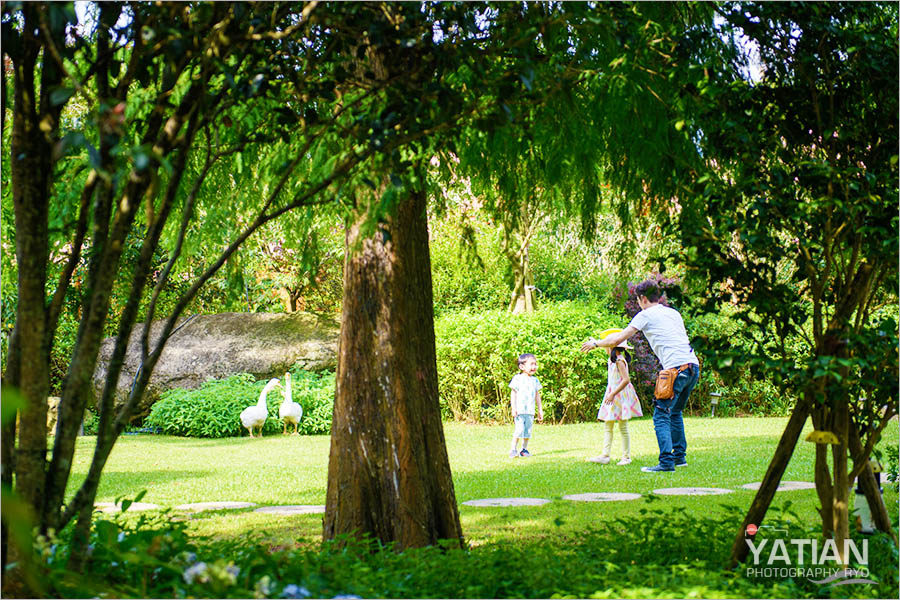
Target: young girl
619,404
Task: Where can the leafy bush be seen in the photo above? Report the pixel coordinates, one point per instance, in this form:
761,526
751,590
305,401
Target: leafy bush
477,356
459,281
657,553
742,392
891,469
645,365
91,422
214,410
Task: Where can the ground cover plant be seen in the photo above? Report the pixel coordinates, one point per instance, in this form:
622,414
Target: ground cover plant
656,546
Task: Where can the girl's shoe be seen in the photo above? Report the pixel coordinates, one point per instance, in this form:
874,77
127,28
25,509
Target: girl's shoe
513,453
624,461
603,460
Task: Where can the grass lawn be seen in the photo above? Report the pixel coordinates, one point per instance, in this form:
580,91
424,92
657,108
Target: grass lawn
722,453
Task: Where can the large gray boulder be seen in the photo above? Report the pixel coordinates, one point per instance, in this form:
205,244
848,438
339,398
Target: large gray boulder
218,346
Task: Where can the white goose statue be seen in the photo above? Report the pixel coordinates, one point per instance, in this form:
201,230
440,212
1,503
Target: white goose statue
289,411
254,417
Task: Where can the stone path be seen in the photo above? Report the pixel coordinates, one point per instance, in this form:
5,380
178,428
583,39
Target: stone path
292,509
691,491
784,486
112,507
602,497
201,506
305,509
507,502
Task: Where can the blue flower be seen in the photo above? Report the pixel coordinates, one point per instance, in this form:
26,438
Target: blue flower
293,590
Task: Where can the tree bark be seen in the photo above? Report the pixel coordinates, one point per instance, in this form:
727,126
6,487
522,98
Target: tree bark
770,482
840,512
8,437
870,488
388,471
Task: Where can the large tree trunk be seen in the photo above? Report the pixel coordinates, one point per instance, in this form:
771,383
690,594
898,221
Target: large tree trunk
388,471
772,479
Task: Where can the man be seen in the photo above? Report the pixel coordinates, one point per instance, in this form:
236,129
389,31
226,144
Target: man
664,329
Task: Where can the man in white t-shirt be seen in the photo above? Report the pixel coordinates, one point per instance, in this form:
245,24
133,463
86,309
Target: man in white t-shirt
664,329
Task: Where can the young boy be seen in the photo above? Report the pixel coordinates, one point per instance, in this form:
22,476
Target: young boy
526,396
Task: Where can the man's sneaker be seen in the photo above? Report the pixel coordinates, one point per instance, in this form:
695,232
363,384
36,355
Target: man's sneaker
603,460
681,464
656,469
624,461
524,453
513,453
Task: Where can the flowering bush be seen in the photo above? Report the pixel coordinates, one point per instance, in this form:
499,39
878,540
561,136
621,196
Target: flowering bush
644,365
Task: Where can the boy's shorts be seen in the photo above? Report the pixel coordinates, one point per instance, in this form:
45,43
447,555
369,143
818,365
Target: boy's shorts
523,426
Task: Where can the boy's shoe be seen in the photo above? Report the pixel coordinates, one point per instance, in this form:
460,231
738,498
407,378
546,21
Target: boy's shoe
682,464
624,461
603,460
513,453
657,469
524,453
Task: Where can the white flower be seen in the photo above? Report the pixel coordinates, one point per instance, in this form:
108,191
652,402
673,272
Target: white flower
263,587
196,572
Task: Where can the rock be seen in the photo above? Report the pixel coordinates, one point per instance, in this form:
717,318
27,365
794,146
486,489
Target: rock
218,346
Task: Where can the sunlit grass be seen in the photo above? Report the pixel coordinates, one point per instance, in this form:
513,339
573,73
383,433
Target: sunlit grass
722,453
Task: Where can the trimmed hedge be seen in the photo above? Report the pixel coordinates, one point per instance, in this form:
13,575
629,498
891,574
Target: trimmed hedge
477,356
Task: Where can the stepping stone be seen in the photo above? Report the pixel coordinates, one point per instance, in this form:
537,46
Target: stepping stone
292,509
784,486
110,507
507,502
602,497
691,491
201,506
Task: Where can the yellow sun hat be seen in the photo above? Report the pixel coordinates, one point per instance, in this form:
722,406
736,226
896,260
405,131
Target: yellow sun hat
608,332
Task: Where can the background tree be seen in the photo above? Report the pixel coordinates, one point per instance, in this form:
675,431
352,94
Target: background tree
171,92
482,83
793,216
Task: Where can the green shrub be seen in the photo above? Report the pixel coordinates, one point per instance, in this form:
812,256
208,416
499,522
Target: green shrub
656,554
91,422
213,410
459,281
742,393
891,469
477,357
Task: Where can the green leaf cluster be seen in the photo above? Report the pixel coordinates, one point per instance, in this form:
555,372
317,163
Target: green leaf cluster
213,410
655,553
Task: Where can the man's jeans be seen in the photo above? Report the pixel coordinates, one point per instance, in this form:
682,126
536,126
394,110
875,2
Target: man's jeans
667,420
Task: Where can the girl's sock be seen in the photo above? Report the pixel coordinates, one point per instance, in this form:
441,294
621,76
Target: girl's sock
626,439
607,437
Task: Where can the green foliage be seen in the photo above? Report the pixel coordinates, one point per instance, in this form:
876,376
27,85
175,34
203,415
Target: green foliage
91,421
477,357
213,410
744,391
891,469
136,558
656,553
795,217
460,280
